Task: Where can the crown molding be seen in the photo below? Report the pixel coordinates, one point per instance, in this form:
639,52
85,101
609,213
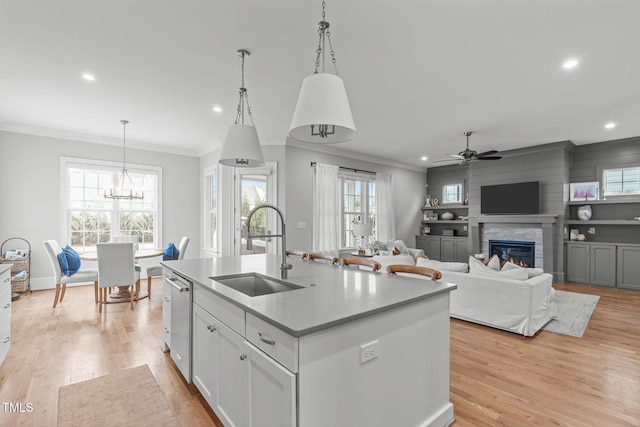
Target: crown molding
94,139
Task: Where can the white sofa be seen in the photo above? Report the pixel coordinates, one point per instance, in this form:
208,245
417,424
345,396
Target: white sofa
508,300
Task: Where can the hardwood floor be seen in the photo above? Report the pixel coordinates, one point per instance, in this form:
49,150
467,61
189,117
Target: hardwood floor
497,378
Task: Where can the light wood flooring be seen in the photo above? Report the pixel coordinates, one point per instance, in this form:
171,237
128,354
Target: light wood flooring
497,378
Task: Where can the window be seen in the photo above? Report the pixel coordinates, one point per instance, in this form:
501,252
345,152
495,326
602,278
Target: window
621,182
211,210
358,205
452,193
89,218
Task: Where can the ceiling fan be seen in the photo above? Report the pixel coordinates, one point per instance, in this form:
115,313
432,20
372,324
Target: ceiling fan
469,155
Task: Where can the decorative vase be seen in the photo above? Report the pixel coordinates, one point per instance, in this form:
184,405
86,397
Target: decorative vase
447,215
584,213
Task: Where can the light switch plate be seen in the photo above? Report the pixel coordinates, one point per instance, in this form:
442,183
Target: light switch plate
301,225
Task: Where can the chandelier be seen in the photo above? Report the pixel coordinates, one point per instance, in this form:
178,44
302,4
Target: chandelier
242,147
323,114
124,191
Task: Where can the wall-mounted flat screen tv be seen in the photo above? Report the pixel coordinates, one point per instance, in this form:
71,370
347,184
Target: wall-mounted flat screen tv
510,199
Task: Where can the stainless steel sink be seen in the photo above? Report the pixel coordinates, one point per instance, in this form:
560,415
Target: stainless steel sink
254,284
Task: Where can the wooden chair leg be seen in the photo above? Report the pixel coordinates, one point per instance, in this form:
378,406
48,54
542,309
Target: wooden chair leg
149,286
64,289
57,295
95,290
100,299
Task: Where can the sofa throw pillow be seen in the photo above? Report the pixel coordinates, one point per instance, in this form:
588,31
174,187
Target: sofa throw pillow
379,246
478,267
402,247
460,267
493,263
170,252
531,272
395,251
69,261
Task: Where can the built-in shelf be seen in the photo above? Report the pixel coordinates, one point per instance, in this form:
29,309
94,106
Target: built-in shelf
604,222
602,202
445,221
444,207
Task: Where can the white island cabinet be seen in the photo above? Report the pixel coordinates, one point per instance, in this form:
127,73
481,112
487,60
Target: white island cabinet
349,348
5,310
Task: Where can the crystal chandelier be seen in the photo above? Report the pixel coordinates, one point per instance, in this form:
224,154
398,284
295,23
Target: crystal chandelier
124,192
323,114
242,147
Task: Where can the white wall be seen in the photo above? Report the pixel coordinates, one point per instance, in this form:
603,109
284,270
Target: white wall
30,192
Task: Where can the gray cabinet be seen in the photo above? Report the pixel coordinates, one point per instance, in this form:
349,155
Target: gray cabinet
444,248
628,267
430,245
592,263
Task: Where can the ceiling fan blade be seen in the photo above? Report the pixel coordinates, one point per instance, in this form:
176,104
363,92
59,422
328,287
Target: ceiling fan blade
456,156
488,153
489,158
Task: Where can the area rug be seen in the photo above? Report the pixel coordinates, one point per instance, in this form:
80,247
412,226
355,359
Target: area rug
127,398
574,312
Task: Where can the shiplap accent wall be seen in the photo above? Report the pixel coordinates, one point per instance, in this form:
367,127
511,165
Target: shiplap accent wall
549,164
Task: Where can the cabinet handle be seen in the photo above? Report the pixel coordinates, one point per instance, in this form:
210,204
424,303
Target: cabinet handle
166,331
6,340
266,341
243,356
167,299
211,328
8,305
8,279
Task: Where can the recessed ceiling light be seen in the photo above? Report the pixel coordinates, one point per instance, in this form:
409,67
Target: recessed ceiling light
423,158
89,77
610,125
570,63
217,109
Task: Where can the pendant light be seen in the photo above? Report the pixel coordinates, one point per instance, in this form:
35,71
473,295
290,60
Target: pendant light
323,114
242,147
122,192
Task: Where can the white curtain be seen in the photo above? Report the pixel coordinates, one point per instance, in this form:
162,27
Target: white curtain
326,209
385,217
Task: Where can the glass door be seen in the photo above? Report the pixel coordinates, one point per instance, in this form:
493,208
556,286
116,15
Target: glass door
255,186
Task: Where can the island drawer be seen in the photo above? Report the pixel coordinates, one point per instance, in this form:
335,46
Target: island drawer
228,313
276,343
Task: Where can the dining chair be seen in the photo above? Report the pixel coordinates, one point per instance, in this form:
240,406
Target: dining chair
83,275
156,269
366,262
116,267
414,269
314,256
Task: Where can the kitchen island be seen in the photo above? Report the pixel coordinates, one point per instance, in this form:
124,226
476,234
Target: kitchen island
347,347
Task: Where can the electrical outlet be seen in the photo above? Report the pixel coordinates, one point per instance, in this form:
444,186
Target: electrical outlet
592,230
301,225
369,351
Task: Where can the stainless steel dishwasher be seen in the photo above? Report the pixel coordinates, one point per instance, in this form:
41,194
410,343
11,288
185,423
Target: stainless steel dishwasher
181,291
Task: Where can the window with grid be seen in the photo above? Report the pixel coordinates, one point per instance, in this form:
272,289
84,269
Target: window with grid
358,205
90,218
452,193
621,182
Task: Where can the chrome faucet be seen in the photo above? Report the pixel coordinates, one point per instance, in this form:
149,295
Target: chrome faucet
284,266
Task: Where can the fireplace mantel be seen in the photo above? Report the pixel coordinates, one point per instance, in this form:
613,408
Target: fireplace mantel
514,219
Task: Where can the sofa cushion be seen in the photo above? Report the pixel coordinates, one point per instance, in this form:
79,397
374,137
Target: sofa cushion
478,267
531,272
442,266
493,263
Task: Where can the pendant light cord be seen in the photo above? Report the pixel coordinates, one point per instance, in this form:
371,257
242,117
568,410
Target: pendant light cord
323,30
244,96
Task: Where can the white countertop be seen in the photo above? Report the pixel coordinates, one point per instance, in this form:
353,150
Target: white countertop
339,294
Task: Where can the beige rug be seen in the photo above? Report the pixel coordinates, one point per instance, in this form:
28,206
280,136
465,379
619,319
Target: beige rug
127,398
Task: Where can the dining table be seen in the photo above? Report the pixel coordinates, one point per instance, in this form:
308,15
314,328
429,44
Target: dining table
123,294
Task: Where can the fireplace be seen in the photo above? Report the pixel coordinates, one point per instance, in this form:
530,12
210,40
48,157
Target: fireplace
517,252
